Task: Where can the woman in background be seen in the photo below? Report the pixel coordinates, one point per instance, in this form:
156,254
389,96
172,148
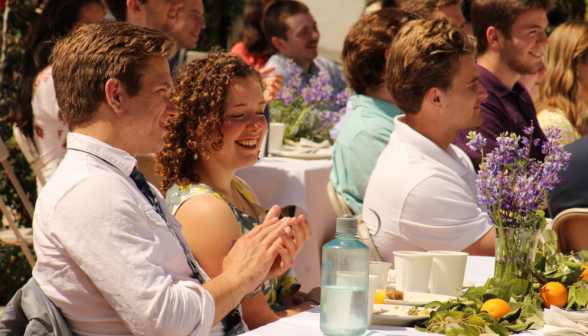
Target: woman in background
251,44
36,112
563,94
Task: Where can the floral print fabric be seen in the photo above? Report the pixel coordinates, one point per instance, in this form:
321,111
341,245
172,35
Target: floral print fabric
274,289
50,131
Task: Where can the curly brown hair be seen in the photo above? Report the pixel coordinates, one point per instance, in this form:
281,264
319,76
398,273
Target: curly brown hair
199,95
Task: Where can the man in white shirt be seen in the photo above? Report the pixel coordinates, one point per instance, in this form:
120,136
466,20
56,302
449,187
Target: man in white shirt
110,255
423,187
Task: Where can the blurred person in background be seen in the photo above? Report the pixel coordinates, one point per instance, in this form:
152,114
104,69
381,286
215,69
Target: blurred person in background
36,111
563,93
219,129
366,131
375,5
291,29
466,10
436,9
511,39
186,30
252,45
156,14
532,82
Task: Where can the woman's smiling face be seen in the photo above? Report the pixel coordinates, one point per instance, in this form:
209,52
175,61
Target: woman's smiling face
244,125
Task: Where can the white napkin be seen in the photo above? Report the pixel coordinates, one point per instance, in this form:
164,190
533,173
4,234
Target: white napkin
561,322
309,144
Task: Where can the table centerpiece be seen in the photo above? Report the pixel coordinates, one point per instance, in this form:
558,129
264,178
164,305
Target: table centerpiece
514,188
308,112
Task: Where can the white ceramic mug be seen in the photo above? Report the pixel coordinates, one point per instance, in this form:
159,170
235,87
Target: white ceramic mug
371,296
412,271
276,136
447,272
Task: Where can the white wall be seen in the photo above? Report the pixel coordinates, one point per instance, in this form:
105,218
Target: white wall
334,19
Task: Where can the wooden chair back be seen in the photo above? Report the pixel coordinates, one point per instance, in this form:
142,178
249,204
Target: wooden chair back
571,227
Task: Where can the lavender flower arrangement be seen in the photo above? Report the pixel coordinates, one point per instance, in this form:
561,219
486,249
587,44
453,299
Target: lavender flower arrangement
308,112
514,187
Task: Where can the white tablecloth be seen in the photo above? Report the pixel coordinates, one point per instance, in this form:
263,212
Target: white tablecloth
478,269
302,184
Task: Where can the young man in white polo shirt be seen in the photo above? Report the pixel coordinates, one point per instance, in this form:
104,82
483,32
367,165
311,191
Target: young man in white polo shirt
423,187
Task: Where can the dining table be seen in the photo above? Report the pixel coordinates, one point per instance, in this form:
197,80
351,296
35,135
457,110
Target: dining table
478,270
303,184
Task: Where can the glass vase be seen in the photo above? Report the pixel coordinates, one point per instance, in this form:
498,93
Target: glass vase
515,252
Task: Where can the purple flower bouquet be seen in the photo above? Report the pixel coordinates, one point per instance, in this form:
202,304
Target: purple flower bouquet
308,112
514,188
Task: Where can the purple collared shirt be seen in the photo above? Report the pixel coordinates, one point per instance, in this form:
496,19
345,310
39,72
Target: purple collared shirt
504,110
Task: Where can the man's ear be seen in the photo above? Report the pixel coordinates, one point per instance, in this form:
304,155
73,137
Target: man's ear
494,38
115,94
277,42
134,8
386,53
433,98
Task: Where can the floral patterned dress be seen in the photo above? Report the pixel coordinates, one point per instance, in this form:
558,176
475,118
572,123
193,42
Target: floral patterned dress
558,118
274,289
50,131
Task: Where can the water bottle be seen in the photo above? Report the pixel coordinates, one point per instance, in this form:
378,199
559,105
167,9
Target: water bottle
345,278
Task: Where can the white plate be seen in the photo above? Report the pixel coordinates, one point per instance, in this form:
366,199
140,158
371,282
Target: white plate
396,315
419,299
466,284
318,155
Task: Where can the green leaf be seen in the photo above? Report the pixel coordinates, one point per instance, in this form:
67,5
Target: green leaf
432,304
584,256
581,296
499,329
537,322
506,292
511,317
469,330
517,328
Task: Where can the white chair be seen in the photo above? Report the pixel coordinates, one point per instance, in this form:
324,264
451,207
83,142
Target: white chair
571,227
341,208
337,202
27,146
17,237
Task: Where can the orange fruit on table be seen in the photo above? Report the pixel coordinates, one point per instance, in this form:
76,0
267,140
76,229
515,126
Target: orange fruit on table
497,308
554,293
584,273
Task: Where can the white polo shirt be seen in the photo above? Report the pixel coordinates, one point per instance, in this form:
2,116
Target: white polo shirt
425,196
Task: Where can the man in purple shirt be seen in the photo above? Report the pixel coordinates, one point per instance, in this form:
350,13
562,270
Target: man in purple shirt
511,41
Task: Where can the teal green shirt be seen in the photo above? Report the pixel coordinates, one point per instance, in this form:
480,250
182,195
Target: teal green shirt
363,137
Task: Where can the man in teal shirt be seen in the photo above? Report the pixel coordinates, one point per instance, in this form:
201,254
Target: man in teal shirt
367,130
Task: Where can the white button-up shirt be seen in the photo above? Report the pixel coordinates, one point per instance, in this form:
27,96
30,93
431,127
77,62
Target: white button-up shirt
425,196
106,258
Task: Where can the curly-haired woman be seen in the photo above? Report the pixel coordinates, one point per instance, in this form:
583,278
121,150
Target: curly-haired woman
218,130
562,99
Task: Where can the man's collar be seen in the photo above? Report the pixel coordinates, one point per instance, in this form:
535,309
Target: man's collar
116,157
427,147
492,84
